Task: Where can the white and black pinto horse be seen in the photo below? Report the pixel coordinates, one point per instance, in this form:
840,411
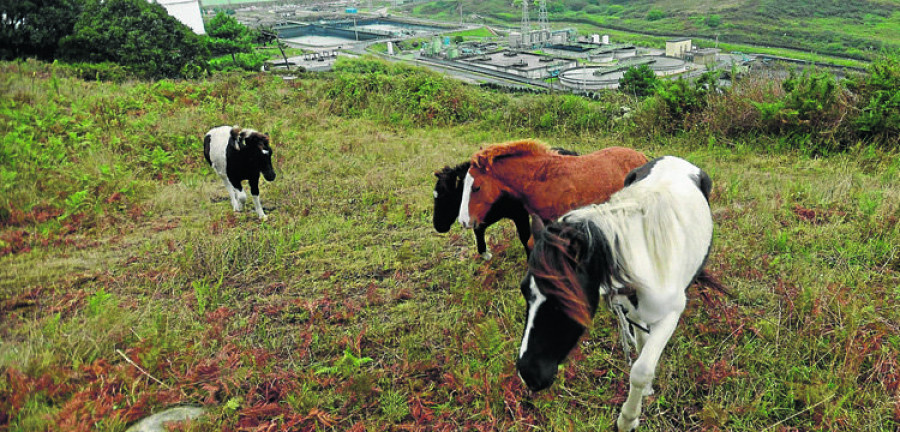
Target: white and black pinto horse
448,195
639,252
236,155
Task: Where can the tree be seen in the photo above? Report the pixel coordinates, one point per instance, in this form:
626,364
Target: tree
228,37
138,35
713,20
639,81
33,28
267,35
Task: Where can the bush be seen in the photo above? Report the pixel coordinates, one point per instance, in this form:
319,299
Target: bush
138,35
105,71
554,113
638,81
614,9
813,107
401,93
398,93
655,15
251,61
879,96
683,98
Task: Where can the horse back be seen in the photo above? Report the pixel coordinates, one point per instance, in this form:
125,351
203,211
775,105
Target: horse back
567,183
214,144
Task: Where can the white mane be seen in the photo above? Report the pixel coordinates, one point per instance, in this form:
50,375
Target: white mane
653,225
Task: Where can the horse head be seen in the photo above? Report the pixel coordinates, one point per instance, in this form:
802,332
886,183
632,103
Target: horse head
448,192
257,149
564,270
480,191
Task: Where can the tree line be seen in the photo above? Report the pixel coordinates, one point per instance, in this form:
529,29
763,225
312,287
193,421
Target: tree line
135,35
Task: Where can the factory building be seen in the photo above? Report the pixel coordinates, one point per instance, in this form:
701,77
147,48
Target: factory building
702,56
677,47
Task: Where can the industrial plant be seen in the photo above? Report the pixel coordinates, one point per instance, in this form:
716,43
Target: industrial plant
532,55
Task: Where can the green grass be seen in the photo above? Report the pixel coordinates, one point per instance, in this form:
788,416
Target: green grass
478,33
346,310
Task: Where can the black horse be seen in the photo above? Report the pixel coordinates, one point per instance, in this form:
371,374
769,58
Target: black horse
448,193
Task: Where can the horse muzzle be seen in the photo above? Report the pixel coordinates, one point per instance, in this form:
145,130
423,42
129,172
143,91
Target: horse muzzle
442,228
468,223
534,377
269,175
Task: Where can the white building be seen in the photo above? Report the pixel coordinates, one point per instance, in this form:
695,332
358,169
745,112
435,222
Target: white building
677,47
186,11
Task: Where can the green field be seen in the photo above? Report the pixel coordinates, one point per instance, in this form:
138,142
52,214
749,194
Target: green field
346,311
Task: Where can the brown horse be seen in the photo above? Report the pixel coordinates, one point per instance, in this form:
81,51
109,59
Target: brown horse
546,183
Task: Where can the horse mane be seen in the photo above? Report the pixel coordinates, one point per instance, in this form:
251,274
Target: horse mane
484,158
450,171
561,250
597,237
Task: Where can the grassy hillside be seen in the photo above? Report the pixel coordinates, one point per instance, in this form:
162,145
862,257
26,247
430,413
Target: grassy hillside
857,30
346,311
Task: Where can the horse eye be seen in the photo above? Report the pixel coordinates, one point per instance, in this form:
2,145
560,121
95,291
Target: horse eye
476,188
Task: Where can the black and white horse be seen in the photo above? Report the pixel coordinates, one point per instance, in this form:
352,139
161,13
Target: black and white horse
448,194
236,155
638,252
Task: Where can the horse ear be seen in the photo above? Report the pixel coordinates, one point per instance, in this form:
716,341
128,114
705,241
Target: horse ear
233,140
437,174
537,225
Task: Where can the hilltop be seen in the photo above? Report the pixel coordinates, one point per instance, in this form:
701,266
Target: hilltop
128,285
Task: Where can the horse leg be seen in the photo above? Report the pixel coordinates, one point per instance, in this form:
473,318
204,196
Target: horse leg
240,196
254,191
644,369
232,195
523,228
640,339
480,243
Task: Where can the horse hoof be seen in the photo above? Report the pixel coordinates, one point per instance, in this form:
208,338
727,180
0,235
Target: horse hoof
263,218
623,425
647,391
487,256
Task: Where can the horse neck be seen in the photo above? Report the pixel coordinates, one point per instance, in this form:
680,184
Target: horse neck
522,177
518,174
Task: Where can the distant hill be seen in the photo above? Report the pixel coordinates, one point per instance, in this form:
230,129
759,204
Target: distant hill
855,29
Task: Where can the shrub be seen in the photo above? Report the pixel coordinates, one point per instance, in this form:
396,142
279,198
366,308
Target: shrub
733,112
397,92
879,96
105,71
138,35
614,9
813,107
251,61
638,81
655,15
683,98
554,113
